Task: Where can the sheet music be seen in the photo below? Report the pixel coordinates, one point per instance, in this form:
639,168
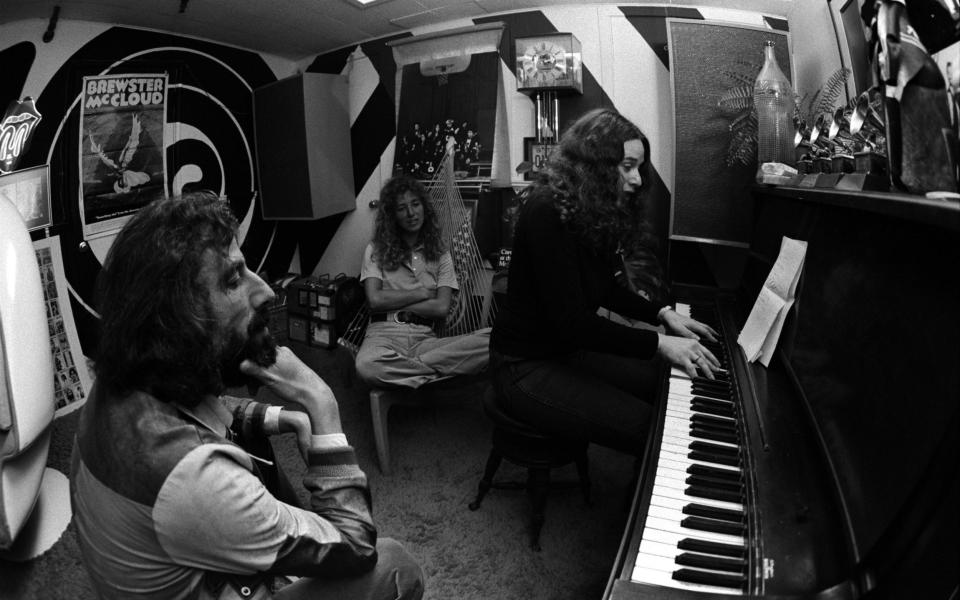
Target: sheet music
759,335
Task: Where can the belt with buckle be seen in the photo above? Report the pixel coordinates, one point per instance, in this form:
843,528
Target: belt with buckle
401,316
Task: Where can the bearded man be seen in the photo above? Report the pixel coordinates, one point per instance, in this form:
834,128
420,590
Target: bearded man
175,490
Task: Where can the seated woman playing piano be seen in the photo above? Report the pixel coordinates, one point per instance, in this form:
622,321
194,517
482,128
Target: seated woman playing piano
409,280
556,363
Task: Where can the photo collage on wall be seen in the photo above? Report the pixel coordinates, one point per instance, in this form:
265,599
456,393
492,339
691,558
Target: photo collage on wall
458,110
71,377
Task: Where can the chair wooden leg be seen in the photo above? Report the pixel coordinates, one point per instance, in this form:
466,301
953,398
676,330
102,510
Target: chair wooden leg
380,403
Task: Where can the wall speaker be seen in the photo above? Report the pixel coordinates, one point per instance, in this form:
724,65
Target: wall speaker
302,136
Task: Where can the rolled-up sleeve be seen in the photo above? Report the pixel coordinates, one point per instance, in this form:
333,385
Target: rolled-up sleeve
213,513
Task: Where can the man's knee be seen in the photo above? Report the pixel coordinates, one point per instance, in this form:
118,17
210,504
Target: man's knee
401,568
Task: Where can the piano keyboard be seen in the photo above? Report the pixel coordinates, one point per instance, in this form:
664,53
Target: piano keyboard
695,533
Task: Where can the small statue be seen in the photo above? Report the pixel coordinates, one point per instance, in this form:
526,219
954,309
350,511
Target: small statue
920,138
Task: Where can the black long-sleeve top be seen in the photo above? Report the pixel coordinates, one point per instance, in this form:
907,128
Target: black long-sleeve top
555,286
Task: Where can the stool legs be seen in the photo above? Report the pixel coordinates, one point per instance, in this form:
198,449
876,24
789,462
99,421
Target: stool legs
493,463
584,473
539,482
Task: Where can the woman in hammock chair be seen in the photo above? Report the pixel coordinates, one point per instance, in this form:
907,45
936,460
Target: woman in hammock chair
408,275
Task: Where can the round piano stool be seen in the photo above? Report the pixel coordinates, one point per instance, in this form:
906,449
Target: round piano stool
520,444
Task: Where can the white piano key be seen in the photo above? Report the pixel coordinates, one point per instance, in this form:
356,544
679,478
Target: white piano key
675,501
683,457
653,548
676,527
668,473
673,538
679,495
662,578
656,562
669,482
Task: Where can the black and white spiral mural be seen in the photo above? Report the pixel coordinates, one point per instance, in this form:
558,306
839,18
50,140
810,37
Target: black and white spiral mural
208,141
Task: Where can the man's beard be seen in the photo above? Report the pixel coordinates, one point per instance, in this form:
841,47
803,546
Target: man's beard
258,345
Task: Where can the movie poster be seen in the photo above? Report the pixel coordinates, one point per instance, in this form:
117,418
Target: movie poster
71,376
122,161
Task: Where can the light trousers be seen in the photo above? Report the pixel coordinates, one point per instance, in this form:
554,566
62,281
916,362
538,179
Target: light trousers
406,355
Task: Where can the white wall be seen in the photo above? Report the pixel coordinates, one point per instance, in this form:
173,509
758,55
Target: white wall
627,70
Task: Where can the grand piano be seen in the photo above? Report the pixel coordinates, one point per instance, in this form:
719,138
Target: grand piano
833,473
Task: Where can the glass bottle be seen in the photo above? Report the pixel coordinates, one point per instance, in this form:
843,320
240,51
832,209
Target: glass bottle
774,102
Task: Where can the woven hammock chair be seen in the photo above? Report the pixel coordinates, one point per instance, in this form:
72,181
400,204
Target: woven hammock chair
472,307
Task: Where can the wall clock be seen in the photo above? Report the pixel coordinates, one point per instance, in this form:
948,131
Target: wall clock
549,62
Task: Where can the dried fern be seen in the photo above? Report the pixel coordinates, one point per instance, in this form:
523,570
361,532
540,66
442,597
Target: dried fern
742,148
830,91
736,99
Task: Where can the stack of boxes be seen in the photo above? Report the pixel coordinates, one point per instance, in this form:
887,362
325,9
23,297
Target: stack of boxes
312,311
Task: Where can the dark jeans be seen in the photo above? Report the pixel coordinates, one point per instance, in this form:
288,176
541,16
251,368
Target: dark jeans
600,398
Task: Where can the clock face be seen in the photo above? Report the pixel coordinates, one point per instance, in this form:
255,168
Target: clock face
544,63
549,62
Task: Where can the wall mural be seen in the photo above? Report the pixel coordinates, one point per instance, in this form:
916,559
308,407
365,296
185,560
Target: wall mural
208,137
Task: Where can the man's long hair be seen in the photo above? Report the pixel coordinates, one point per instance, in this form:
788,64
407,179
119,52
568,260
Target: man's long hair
157,333
586,183
389,250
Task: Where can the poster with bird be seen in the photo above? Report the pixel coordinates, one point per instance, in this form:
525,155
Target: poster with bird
122,162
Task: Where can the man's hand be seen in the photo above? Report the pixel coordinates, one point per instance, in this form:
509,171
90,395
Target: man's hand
293,381
294,421
687,327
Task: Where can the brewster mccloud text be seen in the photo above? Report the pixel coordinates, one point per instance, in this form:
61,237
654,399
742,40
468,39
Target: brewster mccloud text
124,91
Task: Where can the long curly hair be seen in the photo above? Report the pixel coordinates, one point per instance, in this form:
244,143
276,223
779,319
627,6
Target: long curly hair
389,249
586,186
157,330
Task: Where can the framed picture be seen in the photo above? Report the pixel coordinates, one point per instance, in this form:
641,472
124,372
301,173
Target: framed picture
536,154
29,190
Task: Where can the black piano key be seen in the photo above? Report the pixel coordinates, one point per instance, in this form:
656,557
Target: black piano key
711,547
718,483
733,461
710,383
711,420
713,512
704,524
710,393
718,428
730,565
708,471
707,434
725,403
717,387
710,578
702,402
712,448
713,410
705,492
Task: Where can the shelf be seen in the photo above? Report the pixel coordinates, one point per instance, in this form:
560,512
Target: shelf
940,213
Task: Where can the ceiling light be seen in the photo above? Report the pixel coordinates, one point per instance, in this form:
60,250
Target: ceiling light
365,3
